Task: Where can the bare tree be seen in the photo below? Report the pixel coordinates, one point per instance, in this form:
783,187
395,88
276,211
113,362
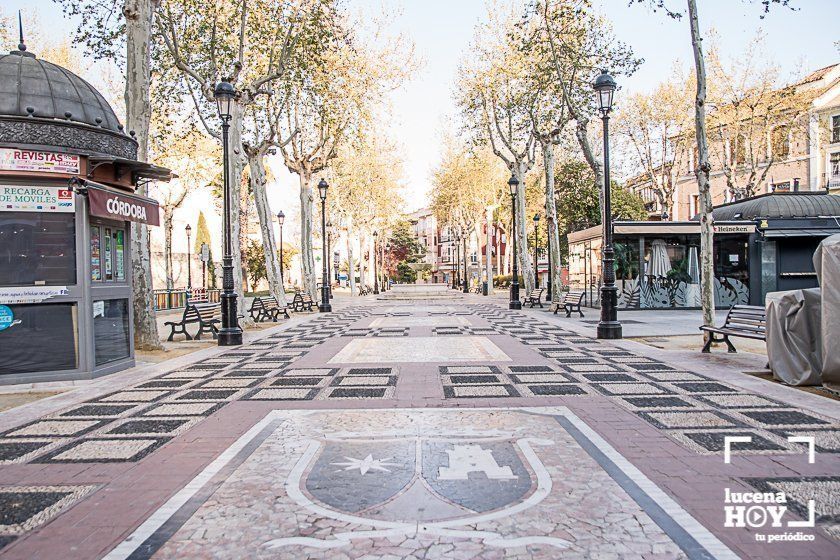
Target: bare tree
257,51
495,103
658,129
702,166
754,117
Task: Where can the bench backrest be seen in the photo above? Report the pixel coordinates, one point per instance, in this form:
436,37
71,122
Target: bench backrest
208,311
569,297
266,302
752,318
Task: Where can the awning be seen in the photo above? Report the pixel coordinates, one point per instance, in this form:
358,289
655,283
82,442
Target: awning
814,232
139,168
115,205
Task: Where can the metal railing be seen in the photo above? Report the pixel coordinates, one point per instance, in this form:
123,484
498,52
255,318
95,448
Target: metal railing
177,298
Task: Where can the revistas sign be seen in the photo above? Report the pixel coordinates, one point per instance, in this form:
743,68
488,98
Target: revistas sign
121,207
12,159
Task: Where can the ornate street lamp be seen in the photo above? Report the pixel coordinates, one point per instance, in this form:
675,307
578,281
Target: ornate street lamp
548,237
466,277
608,327
329,252
188,229
458,259
386,258
536,251
513,183
230,334
375,271
324,306
281,217
453,254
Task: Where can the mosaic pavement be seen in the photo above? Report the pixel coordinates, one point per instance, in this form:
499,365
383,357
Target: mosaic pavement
666,420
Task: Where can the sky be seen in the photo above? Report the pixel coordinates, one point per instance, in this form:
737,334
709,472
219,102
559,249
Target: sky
423,108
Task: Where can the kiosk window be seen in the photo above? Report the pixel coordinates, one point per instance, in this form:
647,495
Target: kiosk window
119,255
110,330
109,258
107,254
95,253
37,249
42,337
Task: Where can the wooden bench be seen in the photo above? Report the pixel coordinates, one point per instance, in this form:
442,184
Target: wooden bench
476,289
266,308
570,301
205,314
746,321
534,298
302,302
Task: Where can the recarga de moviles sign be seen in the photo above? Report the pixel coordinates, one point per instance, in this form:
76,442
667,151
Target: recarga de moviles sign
18,198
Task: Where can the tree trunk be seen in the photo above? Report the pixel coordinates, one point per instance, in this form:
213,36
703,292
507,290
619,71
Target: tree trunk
551,217
236,165
351,268
488,251
707,271
594,163
307,260
139,15
523,252
258,181
167,247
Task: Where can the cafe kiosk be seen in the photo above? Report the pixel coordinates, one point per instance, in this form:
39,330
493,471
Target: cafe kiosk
68,173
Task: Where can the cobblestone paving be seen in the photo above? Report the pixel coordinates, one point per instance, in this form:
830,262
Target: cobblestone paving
667,420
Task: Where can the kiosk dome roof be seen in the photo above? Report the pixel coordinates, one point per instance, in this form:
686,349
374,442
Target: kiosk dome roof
33,87
808,204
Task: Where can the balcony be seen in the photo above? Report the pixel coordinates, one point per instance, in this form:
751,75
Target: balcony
831,181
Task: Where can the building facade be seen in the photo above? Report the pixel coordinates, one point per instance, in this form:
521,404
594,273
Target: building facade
442,250
803,156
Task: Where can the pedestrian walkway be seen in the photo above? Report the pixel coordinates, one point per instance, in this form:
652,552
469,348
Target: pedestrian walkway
423,430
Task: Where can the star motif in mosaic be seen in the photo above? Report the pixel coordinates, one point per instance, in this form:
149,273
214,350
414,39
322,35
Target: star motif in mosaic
366,464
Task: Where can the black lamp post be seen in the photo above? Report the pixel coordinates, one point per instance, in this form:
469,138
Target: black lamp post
536,251
281,217
230,334
608,327
466,276
548,237
453,254
329,252
375,270
324,306
513,183
188,229
386,258
458,260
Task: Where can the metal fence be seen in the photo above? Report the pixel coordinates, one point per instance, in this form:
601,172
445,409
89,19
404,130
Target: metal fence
177,298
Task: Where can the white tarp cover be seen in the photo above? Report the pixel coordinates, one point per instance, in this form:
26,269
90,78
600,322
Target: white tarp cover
794,346
803,326
827,265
